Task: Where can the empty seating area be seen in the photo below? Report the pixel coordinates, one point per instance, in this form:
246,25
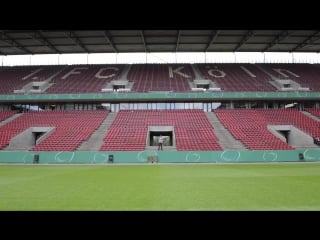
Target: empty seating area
250,126
6,114
307,75
4,136
161,77
129,130
313,111
158,77
72,128
65,79
84,78
237,77
14,78
293,117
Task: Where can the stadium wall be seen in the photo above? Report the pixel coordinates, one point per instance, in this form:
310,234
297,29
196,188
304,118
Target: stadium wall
95,157
160,96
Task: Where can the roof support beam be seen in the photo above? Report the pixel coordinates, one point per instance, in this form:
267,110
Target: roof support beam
14,43
307,41
245,38
178,38
75,38
213,37
283,35
40,38
2,53
107,36
144,41
114,41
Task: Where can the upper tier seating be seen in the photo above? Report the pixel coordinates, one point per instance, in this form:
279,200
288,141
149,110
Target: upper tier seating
307,75
237,77
84,78
14,78
161,77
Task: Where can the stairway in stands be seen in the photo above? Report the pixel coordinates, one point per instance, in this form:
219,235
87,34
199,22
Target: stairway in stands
197,72
226,140
96,139
124,73
9,119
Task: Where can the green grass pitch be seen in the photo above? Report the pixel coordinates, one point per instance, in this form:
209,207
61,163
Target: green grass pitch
292,186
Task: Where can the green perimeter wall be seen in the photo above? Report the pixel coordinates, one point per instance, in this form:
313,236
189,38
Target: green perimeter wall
161,96
95,157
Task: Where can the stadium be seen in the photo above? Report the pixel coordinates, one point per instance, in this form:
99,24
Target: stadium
238,135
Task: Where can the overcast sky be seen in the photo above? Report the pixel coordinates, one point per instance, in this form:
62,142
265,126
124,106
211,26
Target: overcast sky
124,58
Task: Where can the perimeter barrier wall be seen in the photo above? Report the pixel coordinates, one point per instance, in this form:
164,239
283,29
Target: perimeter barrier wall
98,157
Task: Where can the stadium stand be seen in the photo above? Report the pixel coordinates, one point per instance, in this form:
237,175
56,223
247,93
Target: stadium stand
237,77
161,77
306,75
250,125
158,77
129,130
71,128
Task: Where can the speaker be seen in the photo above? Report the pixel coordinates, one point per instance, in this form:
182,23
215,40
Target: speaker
110,158
36,158
301,157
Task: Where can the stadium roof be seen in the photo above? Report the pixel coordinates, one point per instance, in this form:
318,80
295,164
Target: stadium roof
19,42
